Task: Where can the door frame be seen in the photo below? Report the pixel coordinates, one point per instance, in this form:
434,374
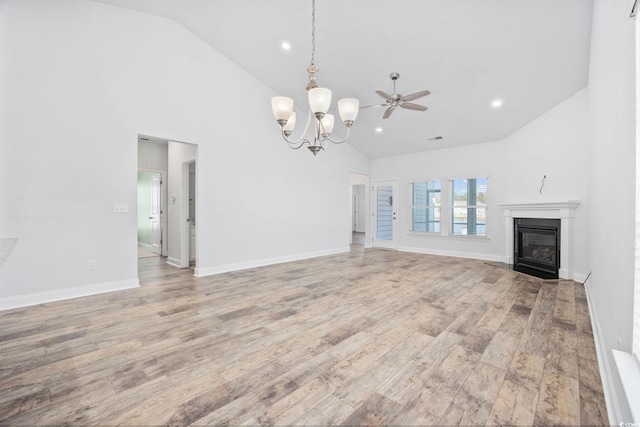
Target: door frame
163,207
384,244
185,232
356,178
355,211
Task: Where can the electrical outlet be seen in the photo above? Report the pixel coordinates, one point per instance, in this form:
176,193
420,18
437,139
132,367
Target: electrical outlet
120,208
91,264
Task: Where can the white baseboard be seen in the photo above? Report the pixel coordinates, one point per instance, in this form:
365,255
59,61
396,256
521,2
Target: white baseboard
144,245
608,385
572,275
68,293
173,261
579,277
470,255
208,271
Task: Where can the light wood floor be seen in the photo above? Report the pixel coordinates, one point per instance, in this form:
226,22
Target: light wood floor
145,253
370,337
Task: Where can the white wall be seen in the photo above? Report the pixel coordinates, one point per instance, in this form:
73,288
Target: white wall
612,189
80,81
554,145
459,162
153,156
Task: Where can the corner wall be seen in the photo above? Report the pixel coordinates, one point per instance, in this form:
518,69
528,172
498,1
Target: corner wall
554,145
80,81
612,189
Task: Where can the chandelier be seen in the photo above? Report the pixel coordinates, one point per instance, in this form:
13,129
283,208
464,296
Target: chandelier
319,102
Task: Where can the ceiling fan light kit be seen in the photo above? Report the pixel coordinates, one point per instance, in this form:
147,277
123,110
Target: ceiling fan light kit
396,100
319,103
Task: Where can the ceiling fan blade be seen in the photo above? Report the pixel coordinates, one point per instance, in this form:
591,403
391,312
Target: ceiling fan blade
416,95
388,112
384,95
416,107
374,105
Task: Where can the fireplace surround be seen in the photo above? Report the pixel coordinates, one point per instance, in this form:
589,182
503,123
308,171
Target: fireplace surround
564,211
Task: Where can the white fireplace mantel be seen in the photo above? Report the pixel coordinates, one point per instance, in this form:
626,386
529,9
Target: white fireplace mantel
564,211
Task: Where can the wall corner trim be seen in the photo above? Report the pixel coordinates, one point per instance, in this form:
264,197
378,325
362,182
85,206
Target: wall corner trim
67,293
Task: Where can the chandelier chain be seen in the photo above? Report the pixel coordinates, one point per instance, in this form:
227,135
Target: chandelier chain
313,32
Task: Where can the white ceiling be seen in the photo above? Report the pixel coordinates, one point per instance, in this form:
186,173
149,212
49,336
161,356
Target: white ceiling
532,54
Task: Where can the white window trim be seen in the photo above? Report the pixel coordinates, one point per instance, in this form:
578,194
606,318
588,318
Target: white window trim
411,206
450,215
446,209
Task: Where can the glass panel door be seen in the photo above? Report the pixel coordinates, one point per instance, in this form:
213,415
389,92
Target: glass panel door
384,224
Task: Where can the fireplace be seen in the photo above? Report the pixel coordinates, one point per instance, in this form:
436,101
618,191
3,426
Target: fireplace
563,211
536,248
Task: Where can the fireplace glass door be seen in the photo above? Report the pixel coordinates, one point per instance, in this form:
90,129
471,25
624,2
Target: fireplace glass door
537,247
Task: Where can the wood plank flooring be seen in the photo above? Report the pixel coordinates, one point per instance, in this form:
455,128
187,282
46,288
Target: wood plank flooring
367,338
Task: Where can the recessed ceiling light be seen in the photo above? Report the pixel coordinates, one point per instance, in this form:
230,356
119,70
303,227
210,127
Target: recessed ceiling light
286,45
378,130
497,103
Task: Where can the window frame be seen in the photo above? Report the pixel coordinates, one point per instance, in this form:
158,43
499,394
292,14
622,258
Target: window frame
453,206
413,206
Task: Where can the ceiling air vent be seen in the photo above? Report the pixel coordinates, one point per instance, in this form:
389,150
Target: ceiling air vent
435,138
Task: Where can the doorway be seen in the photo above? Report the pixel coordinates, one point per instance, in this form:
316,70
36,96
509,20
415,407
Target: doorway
176,163
384,226
358,214
151,218
189,243
359,210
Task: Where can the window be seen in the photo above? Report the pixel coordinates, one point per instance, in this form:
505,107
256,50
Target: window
425,207
469,207
636,297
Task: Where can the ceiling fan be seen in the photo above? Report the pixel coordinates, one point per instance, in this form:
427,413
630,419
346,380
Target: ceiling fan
396,100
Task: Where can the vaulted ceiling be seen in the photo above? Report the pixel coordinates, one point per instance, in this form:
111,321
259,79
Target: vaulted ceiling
530,54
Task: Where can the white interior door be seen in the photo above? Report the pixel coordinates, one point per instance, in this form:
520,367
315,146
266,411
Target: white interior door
384,214
155,213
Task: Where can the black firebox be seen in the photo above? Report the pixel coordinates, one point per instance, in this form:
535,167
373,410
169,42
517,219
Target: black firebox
536,248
